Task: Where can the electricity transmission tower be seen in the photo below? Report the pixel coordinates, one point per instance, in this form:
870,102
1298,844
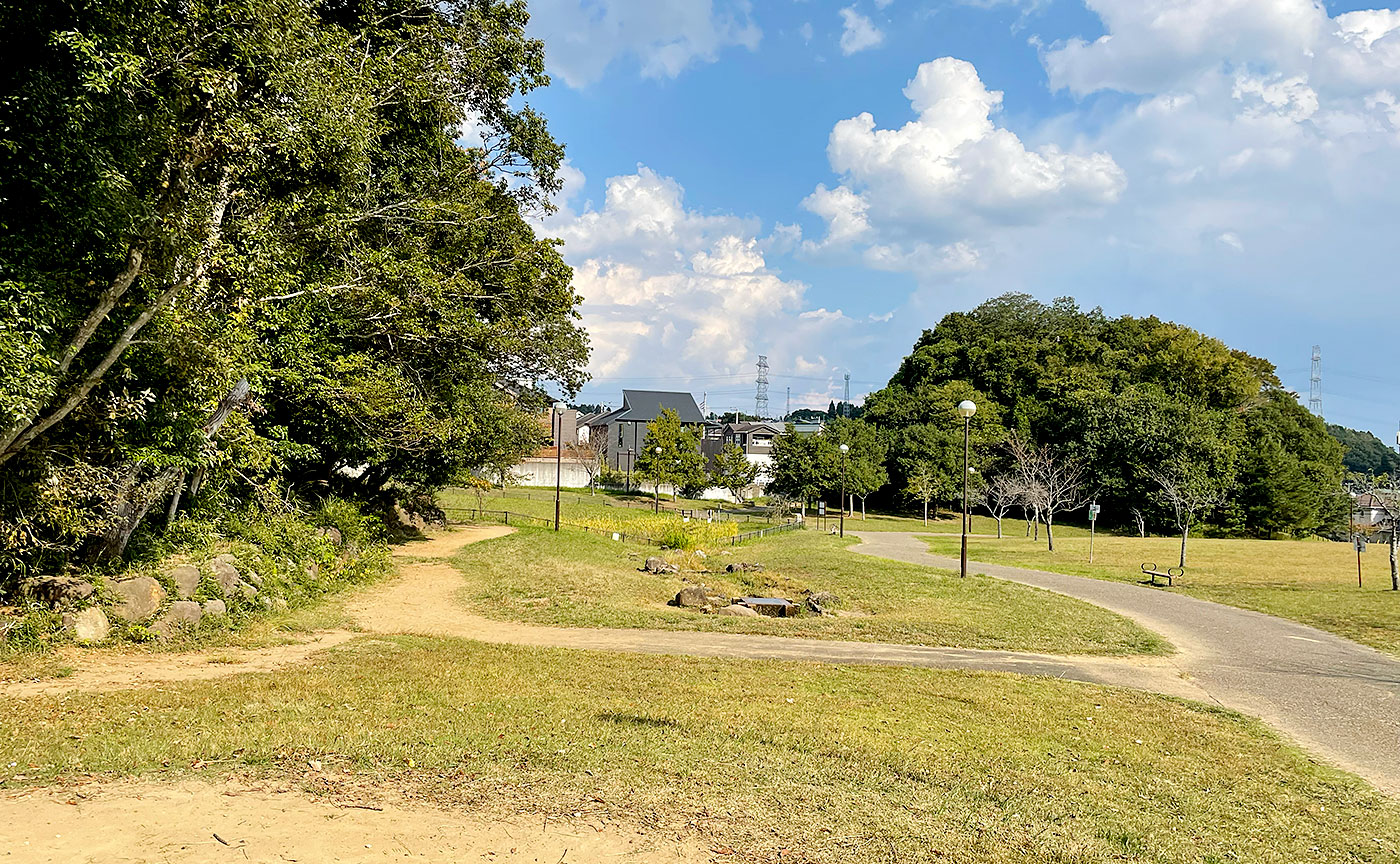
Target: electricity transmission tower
789,404
846,400
761,398
1315,397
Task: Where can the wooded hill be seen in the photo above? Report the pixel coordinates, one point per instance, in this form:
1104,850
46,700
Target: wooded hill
1131,400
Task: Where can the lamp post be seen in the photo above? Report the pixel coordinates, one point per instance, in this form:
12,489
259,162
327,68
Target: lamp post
558,457
966,409
844,450
656,475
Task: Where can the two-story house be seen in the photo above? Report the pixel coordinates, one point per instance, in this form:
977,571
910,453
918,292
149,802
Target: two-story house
619,434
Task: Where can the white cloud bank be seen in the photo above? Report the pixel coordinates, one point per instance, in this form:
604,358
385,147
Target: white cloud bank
583,37
668,291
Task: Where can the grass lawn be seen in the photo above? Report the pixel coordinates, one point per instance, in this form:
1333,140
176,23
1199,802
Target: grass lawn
581,580
829,763
951,523
1313,582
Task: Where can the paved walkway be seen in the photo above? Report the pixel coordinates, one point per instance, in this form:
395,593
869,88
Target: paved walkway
1335,697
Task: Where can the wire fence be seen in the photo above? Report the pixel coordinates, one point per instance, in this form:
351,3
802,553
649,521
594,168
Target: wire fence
644,502
459,515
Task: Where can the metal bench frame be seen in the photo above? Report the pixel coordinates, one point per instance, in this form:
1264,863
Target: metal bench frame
1170,574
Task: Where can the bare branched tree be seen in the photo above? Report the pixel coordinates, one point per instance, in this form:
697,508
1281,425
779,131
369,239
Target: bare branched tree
1003,492
1053,482
588,458
1141,522
1190,491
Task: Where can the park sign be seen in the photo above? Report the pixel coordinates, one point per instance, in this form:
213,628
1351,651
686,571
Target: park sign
1094,512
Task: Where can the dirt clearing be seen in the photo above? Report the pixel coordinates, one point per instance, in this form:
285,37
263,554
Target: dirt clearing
237,820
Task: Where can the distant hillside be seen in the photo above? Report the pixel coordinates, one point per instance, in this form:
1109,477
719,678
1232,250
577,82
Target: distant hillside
1365,453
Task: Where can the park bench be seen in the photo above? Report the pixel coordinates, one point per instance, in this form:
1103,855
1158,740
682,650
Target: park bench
1171,573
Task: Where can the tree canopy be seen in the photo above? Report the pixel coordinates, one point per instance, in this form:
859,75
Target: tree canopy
1128,397
241,251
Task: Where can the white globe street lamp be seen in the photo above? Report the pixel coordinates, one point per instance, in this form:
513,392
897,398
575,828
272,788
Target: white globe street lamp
966,409
559,408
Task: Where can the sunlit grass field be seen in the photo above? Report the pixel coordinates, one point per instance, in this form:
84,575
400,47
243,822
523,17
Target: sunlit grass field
828,763
1313,581
574,579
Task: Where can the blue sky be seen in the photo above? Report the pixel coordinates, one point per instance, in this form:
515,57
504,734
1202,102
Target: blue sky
820,181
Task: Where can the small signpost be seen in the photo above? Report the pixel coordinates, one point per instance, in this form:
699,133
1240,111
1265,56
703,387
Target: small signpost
1360,544
1093,519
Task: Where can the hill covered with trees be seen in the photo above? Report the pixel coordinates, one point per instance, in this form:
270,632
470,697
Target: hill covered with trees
1364,452
1133,404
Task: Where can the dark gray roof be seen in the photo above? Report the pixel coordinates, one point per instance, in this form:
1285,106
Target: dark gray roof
758,426
645,405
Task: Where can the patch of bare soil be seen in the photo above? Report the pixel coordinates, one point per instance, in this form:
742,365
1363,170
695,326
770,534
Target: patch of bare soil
419,601
236,820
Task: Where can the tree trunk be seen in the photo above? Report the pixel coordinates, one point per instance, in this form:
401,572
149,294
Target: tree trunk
1050,531
926,512
862,509
998,527
1185,531
1394,553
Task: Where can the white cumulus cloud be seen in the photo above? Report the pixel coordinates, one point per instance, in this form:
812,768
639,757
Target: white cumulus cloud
664,37
670,291
858,32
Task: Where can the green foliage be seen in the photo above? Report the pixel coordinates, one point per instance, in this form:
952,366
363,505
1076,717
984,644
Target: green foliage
679,463
1364,452
1127,396
242,253
803,466
733,470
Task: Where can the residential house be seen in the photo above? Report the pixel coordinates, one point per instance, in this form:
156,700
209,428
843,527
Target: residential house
619,433
754,438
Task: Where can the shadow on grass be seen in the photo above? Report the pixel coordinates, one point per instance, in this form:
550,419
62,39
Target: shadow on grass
638,720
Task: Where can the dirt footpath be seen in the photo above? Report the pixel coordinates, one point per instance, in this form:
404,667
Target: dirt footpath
234,820
421,597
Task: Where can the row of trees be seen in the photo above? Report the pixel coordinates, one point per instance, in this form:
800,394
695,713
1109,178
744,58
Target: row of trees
244,262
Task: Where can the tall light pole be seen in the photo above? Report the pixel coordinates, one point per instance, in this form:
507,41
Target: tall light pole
966,409
631,457
656,475
844,450
558,456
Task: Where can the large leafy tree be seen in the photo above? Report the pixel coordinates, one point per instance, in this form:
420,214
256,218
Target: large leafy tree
865,461
679,463
733,471
803,466
239,238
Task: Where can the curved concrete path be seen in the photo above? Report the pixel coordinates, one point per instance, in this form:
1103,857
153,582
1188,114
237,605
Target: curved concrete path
1334,696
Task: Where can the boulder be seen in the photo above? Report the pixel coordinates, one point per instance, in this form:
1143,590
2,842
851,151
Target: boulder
821,602
225,569
89,625
137,599
243,589
182,613
186,579
215,607
698,597
737,612
743,567
59,592
332,534
659,565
